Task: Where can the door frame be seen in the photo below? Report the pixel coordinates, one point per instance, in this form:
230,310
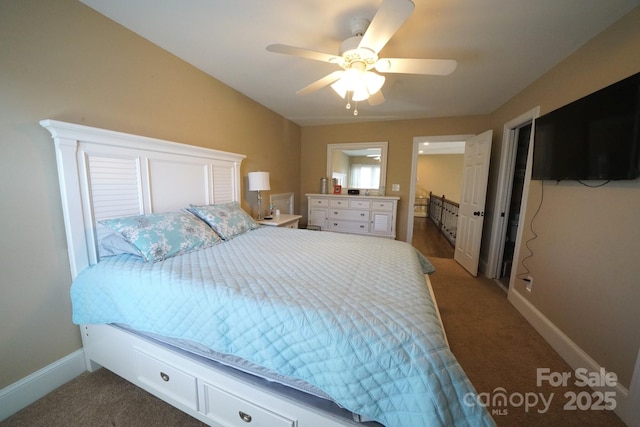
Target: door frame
505,183
417,140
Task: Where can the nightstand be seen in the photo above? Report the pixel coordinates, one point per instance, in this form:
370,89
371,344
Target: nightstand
282,220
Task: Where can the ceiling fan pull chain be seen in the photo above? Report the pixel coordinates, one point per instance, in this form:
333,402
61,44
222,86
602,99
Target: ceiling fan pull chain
348,101
355,111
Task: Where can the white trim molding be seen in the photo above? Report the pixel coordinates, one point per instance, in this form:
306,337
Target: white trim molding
627,407
24,392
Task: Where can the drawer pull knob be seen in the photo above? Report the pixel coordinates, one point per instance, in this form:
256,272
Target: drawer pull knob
164,377
245,417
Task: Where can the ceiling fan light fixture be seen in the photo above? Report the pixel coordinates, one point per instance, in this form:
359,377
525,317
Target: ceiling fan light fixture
359,84
360,94
350,81
340,88
358,57
373,81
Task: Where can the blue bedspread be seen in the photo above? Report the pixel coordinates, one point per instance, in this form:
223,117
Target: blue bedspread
351,315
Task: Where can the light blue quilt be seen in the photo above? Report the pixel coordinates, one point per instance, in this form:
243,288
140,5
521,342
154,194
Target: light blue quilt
351,315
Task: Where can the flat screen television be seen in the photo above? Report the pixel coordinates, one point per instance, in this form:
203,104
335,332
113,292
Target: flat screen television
594,138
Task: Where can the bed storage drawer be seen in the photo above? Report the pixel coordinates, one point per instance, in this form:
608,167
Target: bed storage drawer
230,410
165,380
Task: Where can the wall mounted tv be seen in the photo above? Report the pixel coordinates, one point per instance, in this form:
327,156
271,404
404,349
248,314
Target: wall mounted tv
594,138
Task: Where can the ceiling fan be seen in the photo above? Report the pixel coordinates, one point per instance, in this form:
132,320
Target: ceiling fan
358,57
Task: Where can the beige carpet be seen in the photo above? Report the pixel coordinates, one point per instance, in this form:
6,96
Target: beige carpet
493,343
497,348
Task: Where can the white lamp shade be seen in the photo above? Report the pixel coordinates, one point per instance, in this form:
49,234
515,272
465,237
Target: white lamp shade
361,84
259,181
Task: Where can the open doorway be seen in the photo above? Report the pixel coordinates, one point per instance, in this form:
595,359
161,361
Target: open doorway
512,212
511,192
437,169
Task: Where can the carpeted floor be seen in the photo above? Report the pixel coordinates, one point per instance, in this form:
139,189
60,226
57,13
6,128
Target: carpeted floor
496,347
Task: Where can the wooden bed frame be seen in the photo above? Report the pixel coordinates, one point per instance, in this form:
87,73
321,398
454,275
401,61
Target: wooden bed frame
106,174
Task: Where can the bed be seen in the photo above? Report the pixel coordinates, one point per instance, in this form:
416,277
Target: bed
238,324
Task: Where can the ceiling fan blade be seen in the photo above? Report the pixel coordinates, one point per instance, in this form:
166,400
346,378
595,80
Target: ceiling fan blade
390,16
304,53
437,67
376,99
319,84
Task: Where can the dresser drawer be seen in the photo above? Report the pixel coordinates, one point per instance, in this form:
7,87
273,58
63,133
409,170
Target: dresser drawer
358,203
380,205
339,203
231,410
349,214
349,226
318,202
166,380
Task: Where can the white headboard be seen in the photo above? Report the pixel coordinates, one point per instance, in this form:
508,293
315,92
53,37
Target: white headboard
106,174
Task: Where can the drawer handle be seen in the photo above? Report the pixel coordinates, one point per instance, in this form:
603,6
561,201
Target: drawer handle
362,226
335,213
244,417
164,377
361,214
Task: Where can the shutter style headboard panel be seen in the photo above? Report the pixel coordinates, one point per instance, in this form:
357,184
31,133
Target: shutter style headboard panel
107,174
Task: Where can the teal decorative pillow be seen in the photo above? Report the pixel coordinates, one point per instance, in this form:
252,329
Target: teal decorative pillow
162,236
227,219
114,244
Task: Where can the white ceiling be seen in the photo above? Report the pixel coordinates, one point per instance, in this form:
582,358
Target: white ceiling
501,47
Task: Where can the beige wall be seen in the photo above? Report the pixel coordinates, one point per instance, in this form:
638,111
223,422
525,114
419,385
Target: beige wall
399,135
585,257
61,60
441,174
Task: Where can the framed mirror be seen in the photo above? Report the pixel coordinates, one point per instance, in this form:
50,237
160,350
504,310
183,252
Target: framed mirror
358,165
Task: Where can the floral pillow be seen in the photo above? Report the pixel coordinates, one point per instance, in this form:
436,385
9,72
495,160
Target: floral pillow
162,236
227,219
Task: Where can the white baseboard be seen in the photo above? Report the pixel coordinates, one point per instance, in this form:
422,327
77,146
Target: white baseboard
576,357
24,392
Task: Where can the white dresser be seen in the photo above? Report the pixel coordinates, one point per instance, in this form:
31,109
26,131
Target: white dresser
373,215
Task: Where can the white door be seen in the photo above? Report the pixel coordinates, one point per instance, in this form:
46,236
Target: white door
477,154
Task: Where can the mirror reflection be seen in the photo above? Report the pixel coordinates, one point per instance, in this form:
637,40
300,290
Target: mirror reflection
358,165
